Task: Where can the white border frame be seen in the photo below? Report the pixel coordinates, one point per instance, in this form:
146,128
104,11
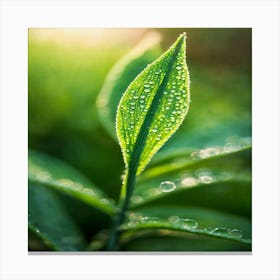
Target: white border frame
262,16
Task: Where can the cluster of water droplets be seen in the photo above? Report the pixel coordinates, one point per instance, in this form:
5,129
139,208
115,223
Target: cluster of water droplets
224,232
43,175
182,223
135,105
232,144
235,143
172,107
76,186
194,178
139,219
39,173
191,224
173,104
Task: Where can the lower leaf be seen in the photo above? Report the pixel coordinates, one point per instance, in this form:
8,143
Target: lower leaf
48,219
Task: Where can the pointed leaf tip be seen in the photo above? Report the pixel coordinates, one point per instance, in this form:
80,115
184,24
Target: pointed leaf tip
154,106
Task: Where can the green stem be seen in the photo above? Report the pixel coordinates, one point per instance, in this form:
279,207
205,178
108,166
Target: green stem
128,187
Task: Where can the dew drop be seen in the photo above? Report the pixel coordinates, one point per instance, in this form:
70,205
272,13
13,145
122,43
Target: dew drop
209,152
43,175
178,67
186,223
195,155
173,219
235,233
167,186
208,229
188,182
205,176
205,179
220,231
148,220
132,223
230,147
135,216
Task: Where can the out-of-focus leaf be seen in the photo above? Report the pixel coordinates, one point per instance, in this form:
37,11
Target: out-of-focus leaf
224,136
164,240
204,183
153,106
226,158
56,174
48,219
121,75
201,221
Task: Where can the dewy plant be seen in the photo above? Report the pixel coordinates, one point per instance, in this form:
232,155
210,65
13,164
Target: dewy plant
150,111
194,194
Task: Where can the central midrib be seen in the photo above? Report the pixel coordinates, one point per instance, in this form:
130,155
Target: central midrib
143,132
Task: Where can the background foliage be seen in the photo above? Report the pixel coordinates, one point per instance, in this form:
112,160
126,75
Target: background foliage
69,139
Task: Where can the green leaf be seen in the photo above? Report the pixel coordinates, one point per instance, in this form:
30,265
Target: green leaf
200,221
58,175
122,74
154,106
238,158
48,219
164,240
202,182
224,136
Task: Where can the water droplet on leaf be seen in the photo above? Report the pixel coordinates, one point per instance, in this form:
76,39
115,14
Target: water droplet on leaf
167,186
188,182
187,223
173,219
235,233
220,231
148,220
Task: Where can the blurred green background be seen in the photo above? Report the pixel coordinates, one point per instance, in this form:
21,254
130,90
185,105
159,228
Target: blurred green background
66,71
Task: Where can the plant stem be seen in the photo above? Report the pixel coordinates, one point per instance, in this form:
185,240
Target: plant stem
128,187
